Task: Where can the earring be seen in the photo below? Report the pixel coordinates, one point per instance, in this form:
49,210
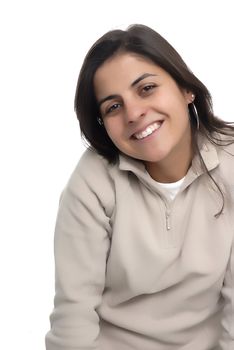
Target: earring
100,122
195,114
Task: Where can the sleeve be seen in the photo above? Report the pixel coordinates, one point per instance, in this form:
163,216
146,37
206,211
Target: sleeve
81,248
227,338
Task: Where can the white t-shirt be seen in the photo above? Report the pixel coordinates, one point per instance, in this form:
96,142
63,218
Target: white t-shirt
172,188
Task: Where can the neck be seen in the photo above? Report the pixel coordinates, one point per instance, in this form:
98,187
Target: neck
172,169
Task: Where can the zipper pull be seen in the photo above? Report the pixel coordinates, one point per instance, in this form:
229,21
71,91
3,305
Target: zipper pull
168,221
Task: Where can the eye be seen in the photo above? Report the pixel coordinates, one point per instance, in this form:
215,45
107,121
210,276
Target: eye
112,108
148,88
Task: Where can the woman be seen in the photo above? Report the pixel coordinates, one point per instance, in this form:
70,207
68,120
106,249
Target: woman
144,235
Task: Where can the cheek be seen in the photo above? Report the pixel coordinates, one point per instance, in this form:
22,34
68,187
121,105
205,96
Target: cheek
178,117
112,131
179,111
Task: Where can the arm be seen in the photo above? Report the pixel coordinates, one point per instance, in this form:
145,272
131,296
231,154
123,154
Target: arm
81,248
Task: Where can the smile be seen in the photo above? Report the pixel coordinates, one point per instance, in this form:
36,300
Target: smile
148,131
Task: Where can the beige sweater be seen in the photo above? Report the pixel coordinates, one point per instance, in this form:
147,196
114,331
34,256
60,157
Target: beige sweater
136,271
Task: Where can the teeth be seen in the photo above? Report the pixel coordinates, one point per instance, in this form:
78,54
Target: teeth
148,131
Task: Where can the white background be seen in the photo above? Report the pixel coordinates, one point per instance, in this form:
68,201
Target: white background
42,46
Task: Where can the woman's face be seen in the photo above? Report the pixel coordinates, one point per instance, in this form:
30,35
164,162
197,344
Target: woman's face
144,111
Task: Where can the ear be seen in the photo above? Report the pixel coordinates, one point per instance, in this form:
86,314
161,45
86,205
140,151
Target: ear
189,96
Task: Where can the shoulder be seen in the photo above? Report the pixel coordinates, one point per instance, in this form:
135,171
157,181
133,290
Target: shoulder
225,152
93,168
225,146
92,176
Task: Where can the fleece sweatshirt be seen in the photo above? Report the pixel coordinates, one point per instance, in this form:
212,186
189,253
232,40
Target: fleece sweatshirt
136,270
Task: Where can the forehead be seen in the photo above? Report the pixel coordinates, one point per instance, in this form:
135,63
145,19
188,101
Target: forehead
121,70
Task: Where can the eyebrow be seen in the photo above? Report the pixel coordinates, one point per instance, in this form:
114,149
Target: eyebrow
112,97
143,76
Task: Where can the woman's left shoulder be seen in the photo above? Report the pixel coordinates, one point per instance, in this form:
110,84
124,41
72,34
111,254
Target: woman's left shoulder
226,147
225,152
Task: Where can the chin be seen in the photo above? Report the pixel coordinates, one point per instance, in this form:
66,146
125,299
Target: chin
150,157
153,158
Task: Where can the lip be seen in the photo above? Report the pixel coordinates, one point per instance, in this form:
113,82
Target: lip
145,127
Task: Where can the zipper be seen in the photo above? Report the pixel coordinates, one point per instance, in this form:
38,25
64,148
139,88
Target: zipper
167,205
168,220
167,213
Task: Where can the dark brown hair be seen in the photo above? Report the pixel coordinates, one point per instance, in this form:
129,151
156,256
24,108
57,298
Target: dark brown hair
144,41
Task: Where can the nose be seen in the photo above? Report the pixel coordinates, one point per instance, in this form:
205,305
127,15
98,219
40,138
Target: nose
134,109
